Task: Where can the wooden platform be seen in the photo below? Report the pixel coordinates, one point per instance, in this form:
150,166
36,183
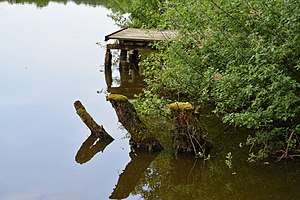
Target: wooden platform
141,35
130,41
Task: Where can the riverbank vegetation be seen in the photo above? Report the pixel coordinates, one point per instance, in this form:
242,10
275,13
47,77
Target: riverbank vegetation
241,57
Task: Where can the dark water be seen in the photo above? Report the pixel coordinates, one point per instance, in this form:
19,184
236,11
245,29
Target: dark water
49,59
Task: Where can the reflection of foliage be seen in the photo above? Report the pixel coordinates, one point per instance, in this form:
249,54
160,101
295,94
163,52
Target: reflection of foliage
150,104
187,178
228,160
150,108
112,4
155,178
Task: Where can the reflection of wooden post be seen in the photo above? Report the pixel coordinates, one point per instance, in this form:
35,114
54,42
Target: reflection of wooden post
134,60
123,60
107,61
108,77
123,76
134,73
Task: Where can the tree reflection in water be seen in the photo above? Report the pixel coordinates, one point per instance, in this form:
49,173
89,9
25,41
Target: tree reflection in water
135,169
164,176
89,148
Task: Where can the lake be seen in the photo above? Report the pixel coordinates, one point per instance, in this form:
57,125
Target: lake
49,59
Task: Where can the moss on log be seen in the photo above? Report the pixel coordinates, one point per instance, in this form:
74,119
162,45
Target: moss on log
117,97
181,106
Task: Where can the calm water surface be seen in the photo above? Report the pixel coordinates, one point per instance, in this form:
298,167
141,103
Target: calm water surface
49,59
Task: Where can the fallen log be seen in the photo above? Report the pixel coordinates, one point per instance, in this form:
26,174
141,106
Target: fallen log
95,128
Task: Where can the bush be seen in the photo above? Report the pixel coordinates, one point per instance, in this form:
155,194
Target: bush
242,56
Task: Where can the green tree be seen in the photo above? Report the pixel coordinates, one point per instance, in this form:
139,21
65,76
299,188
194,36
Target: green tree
241,56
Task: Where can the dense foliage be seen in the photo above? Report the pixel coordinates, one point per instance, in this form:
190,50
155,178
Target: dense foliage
242,56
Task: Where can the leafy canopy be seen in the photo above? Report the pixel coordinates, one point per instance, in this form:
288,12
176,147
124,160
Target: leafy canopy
242,56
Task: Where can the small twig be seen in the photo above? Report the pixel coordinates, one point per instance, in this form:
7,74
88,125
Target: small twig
191,171
295,156
285,154
289,141
190,137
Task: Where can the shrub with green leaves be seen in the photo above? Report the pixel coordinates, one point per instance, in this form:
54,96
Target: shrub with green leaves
242,56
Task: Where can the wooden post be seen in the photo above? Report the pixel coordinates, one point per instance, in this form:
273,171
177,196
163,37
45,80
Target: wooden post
107,61
123,55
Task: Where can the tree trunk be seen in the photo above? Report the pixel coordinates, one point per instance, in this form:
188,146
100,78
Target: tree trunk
140,136
187,136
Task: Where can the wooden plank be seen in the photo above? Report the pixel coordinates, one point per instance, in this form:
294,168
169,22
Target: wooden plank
127,47
133,34
107,37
